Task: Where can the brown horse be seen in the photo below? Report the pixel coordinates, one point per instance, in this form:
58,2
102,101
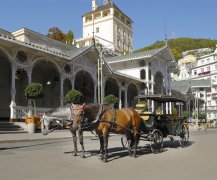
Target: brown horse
120,121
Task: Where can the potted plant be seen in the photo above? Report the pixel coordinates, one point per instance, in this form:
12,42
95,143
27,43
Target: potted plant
111,99
33,91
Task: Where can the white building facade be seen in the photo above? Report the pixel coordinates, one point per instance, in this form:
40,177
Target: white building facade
206,68
203,68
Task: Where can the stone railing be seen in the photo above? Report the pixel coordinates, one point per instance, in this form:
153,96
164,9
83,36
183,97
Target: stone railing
20,112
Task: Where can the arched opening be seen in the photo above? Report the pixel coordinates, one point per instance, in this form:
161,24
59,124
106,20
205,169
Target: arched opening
84,84
46,73
111,87
21,81
158,86
5,86
132,92
158,83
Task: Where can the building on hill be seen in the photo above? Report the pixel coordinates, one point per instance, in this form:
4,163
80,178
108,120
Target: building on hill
203,70
108,26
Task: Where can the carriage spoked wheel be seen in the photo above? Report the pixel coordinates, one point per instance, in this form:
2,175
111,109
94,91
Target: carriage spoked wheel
156,139
125,142
184,135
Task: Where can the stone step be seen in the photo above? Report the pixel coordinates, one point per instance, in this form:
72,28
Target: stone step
10,127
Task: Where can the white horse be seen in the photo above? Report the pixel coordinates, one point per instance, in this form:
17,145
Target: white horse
64,115
56,118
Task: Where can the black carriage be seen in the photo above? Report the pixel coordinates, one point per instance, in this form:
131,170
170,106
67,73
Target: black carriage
157,125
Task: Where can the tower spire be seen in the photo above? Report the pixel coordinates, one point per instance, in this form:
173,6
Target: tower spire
94,5
165,32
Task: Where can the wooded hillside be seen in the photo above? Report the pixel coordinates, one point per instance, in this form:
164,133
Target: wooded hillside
178,45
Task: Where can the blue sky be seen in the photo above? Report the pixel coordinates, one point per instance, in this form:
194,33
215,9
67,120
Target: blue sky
184,18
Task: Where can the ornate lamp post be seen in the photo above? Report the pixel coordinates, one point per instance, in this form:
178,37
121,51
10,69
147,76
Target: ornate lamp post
189,70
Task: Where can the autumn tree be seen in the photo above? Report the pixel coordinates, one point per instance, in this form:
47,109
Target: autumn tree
57,34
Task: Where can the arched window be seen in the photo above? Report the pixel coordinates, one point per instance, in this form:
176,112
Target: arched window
142,74
67,68
21,57
142,63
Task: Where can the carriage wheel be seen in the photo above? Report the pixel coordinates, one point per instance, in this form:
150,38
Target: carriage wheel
156,139
125,142
184,135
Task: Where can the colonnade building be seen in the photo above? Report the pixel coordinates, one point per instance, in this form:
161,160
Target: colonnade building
27,56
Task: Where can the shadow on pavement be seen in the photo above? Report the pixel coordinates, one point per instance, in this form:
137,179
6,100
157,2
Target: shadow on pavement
32,145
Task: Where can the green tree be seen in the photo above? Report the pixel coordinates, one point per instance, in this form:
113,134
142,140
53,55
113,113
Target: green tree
186,114
74,96
34,91
69,37
111,99
174,111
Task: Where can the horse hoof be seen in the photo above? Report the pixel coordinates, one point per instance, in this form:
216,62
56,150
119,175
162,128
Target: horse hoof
100,158
105,160
74,154
82,156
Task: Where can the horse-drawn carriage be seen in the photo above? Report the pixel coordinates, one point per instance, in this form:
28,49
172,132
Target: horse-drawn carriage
148,126
158,125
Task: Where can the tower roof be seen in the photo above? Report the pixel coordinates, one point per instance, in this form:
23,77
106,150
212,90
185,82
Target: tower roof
107,6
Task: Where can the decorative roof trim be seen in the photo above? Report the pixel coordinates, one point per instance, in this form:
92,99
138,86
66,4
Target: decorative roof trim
33,46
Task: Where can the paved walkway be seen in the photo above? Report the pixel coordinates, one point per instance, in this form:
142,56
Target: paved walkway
38,136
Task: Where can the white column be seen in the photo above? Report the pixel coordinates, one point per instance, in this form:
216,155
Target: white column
103,88
95,89
125,98
13,86
147,79
167,110
120,103
170,108
29,75
61,91
152,102
13,94
73,82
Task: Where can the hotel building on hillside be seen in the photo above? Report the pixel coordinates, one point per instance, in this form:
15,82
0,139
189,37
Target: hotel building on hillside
204,69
